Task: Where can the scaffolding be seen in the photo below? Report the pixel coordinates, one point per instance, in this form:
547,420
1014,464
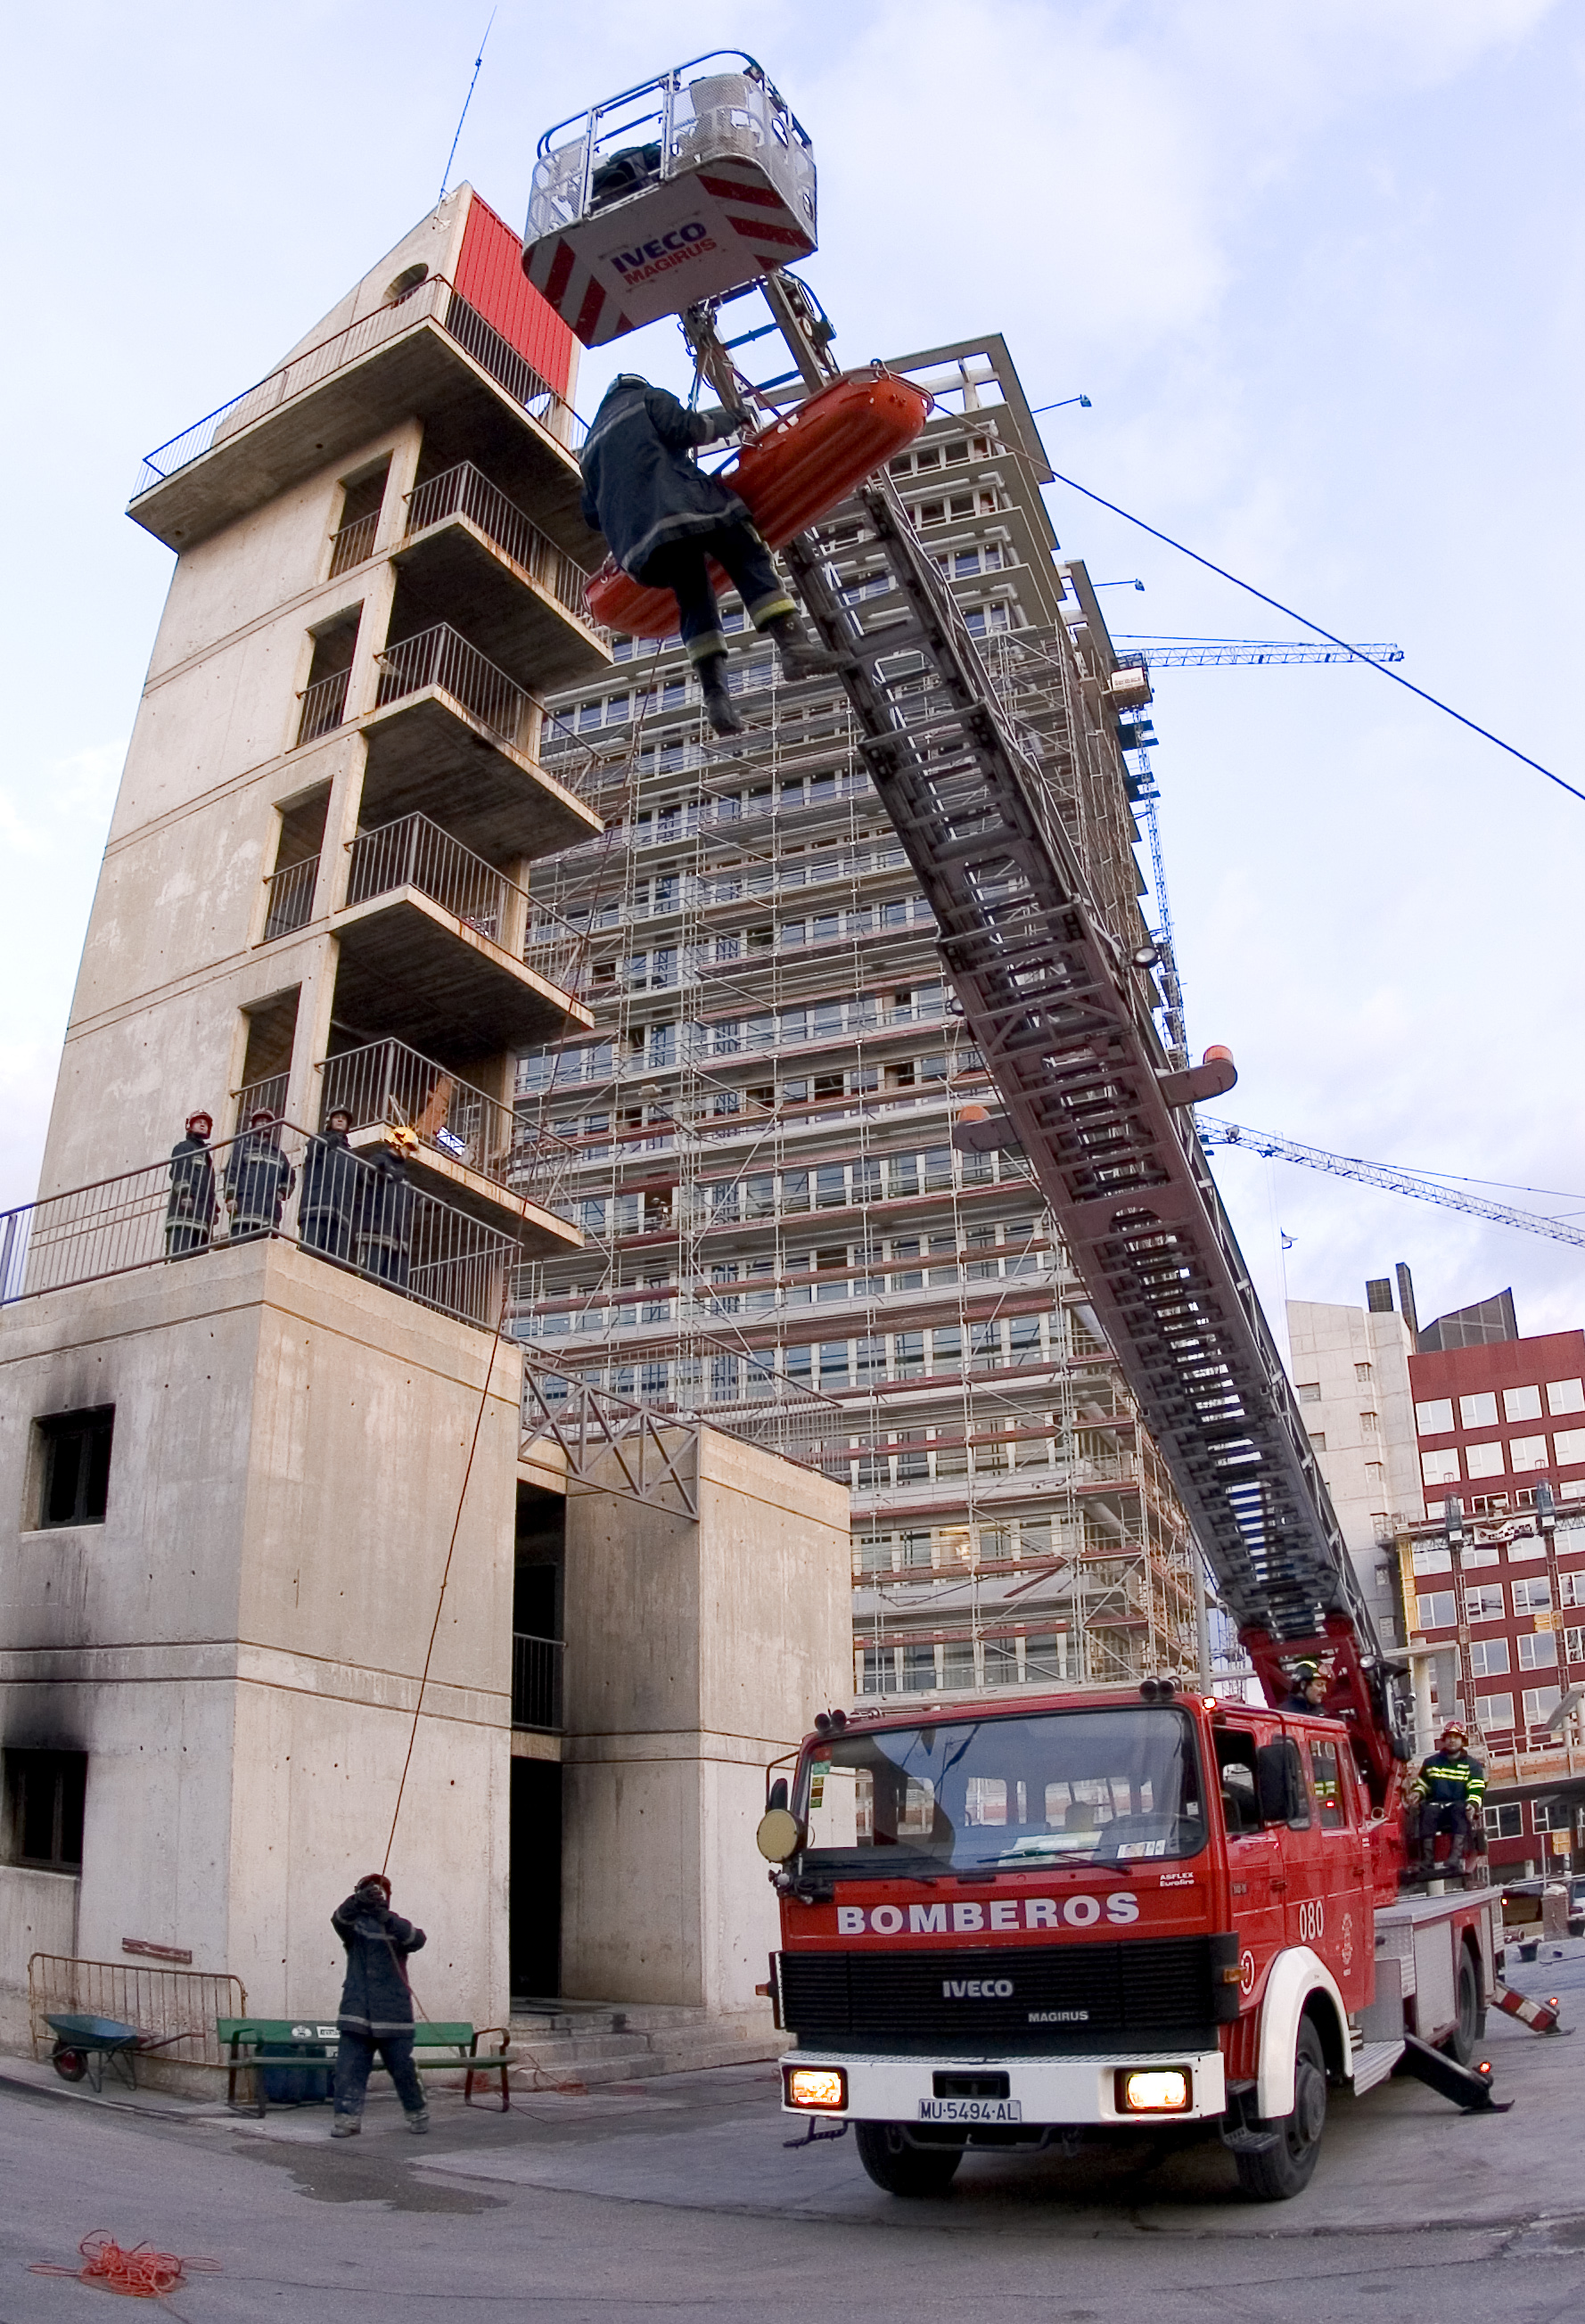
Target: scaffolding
781,1237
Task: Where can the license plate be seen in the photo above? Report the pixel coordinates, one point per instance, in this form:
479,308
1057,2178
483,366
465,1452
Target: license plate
970,2110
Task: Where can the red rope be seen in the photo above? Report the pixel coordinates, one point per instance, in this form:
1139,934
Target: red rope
141,2272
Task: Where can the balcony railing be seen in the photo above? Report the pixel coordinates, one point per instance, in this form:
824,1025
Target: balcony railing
265,1096
440,658
324,706
281,1184
415,852
536,1682
463,491
292,899
353,543
434,301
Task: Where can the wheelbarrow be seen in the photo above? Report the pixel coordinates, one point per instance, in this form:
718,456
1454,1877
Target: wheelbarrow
84,2046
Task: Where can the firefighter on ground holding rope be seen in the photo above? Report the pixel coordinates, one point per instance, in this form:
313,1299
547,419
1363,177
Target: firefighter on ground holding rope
1447,1794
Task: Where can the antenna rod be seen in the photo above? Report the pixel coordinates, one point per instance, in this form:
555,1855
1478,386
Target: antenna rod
462,116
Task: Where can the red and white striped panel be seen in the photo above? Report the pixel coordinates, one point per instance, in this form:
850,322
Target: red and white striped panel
710,229
1540,2016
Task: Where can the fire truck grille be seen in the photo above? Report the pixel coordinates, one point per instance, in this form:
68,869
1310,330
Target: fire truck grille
1051,2000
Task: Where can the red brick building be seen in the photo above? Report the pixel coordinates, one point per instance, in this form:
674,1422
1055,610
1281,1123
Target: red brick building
1493,1423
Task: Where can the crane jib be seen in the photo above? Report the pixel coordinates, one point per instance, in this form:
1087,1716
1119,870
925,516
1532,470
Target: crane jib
1064,1023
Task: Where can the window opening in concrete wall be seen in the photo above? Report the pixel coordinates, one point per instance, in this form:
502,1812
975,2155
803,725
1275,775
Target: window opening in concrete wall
362,498
45,1792
297,847
325,696
267,1059
74,1471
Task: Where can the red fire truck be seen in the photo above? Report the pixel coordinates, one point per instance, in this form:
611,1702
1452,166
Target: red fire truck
1106,1911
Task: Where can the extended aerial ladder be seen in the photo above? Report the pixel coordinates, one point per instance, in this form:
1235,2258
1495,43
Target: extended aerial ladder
1064,1022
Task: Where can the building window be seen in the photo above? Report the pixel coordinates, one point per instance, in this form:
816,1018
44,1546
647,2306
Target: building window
1569,1445
1369,1423
44,1795
1484,1603
1527,1453
1572,1589
1565,1396
1484,1460
1505,1822
1437,1609
1574,1646
1540,1703
1318,1440
73,1472
1521,1403
1551,1815
1495,1712
1532,1597
1363,1374
1309,1391
1489,1657
1436,1417
1478,1411
1440,1468
1537,1650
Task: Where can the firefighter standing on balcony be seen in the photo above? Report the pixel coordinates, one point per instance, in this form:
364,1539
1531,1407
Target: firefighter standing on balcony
1447,1794
1307,1685
662,517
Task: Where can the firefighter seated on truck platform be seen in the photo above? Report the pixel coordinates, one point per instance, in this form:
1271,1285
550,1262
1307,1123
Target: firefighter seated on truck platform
662,517
1447,1792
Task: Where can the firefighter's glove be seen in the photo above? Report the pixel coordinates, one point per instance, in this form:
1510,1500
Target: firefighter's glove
721,424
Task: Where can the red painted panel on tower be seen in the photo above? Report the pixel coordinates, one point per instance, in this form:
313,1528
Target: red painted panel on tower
490,277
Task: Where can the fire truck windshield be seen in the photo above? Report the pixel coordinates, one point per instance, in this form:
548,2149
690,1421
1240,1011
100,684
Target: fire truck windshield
1064,1786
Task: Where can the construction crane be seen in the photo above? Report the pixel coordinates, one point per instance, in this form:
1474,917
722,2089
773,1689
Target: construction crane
1386,1175
1215,653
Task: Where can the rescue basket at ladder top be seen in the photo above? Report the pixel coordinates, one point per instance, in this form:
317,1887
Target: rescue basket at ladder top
791,476
698,183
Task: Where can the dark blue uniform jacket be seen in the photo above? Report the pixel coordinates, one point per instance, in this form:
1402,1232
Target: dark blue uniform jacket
375,1998
641,488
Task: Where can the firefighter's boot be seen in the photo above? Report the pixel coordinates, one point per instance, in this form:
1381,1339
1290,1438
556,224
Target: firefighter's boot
801,656
718,703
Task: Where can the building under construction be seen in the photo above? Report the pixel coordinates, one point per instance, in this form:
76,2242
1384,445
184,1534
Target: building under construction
780,1233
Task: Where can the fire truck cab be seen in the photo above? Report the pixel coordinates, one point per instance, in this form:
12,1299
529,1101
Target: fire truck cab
1101,1911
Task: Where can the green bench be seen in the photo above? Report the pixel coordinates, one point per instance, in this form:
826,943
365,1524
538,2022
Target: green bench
264,2046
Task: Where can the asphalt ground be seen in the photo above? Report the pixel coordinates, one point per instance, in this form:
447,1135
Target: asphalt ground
679,2199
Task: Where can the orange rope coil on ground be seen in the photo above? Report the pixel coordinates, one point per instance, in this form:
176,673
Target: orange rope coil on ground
141,2272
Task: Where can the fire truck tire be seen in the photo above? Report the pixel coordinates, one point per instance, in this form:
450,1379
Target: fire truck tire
1469,2030
901,2168
1287,2168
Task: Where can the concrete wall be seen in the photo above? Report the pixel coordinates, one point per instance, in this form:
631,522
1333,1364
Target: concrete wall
696,1652
38,1914
237,1648
1369,1469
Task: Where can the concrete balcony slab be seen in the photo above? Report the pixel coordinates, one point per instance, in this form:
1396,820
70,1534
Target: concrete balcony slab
429,754
323,406
514,616
410,968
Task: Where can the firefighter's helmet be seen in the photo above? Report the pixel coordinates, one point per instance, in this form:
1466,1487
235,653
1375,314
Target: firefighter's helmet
1451,1734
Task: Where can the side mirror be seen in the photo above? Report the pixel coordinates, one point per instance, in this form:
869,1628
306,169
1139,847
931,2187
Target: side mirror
780,1835
1279,1780
777,1796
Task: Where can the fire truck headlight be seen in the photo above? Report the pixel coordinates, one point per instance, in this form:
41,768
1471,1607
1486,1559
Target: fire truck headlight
1156,2090
825,2087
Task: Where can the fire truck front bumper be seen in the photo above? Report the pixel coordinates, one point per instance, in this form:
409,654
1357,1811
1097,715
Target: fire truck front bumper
1005,2093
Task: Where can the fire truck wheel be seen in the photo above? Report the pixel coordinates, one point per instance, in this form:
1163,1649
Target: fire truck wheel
1287,2170
1471,2030
901,2169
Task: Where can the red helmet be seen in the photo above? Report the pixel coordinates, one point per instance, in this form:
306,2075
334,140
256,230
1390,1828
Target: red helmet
1451,1730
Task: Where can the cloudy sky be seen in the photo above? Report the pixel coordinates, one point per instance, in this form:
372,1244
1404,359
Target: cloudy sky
1318,266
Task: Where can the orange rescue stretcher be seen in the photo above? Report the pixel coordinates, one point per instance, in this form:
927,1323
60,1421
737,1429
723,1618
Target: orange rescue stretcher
792,475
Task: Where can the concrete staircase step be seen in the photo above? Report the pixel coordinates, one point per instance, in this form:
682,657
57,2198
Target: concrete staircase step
586,2045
